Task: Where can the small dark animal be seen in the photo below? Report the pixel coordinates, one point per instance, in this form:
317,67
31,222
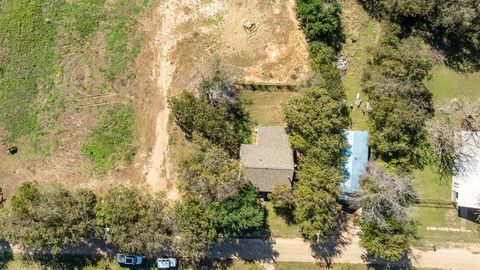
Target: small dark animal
13,150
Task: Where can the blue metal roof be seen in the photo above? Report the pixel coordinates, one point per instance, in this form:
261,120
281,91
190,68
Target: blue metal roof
356,164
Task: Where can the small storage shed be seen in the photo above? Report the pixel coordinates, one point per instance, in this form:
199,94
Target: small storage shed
269,161
356,164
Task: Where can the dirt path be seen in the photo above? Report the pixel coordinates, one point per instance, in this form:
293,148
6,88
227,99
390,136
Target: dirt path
296,250
159,173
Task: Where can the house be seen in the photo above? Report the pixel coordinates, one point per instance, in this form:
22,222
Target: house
466,182
356,164
269,162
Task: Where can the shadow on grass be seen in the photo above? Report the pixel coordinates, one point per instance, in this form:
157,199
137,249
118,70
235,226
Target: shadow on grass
405,262
335,244
286,214
6,254
247,249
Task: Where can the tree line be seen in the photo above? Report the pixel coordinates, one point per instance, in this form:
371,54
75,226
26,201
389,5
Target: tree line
393,81
451,26
218,202
53,218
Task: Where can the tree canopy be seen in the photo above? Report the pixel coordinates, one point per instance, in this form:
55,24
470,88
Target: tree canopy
449,25
195,225
133,221
217,115
401,104
451,149
316,122
320,20
239,215
49,218
387,229
207,172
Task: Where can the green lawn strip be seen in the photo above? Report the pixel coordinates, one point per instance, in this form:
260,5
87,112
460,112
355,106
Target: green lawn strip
112,139
277,225
447,84
265,108
357,55
437,211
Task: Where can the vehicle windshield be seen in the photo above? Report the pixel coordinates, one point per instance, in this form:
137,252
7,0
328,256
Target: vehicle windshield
129,260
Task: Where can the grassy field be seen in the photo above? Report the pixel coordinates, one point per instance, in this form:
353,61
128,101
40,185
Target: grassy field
447,84
42,43
437,211
277,225
265,108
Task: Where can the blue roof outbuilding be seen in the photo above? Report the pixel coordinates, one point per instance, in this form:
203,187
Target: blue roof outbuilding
356,164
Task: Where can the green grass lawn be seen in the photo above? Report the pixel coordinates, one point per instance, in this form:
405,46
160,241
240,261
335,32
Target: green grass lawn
439,212
265,108
447,84
362,32
277,225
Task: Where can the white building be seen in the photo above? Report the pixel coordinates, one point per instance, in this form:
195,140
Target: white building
466,182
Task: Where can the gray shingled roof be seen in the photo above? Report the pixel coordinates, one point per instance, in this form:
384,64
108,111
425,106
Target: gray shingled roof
272,150
270,161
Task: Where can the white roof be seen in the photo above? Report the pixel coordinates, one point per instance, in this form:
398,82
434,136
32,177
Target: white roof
467,181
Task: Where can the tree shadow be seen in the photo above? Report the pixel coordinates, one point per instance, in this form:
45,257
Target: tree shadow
6,254
334,245
208,264
286,214
405,262
247,249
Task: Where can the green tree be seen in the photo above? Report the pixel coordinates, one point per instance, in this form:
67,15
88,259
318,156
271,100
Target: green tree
449,25
134,222
320,20
240,214
315,194
316,120
49,218
401,104
207,172
195,115
195,226
387,244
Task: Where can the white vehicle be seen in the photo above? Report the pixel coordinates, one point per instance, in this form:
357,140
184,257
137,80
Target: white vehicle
166,263
128,259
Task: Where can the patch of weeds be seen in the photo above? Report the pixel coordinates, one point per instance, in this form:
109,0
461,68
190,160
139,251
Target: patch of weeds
84,17
111,140
120,32
216,19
